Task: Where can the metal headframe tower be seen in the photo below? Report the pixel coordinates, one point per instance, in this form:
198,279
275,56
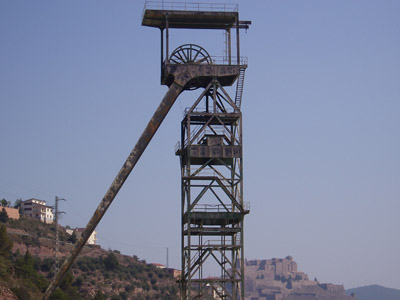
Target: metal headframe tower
210,152
210,149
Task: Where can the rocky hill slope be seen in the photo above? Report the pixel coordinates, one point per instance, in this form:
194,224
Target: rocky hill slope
27,266
26,270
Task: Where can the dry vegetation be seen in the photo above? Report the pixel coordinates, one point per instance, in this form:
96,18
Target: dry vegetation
27,265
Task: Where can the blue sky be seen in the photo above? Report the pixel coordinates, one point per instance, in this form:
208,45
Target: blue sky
80,79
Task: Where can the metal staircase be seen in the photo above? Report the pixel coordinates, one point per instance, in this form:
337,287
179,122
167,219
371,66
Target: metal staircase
239,88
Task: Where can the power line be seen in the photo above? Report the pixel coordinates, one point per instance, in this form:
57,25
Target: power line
131,245
26,188
76,212
10,194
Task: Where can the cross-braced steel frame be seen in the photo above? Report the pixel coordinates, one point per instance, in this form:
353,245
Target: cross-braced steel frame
212,197
210,150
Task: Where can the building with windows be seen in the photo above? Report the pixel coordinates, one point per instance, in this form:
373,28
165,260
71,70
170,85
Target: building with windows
37,209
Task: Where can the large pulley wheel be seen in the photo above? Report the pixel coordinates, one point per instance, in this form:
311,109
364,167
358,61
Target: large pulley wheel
190,54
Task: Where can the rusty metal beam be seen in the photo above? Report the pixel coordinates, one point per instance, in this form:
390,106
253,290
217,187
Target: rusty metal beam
148,133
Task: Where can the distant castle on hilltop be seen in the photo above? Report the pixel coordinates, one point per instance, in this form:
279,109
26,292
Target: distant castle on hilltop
278,267
279,279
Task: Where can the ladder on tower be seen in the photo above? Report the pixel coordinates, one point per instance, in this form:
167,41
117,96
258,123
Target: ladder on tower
239,88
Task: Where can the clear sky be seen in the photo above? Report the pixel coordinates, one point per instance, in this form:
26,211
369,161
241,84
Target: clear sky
80,79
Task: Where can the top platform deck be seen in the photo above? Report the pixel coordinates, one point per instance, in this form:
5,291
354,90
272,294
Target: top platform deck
190,15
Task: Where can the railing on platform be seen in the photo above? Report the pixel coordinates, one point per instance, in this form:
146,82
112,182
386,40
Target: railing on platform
224,60
191,6
217,131
220,60
218,207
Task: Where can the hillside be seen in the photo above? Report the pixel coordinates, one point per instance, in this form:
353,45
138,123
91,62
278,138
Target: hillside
375,292
27,265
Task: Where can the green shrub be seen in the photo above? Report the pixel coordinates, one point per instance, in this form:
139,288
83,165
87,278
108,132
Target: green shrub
99,296
3,267
78,281
3,216
123,296
21,293
58,294
6,243
173,289
25,268
111,262
129,288
47,265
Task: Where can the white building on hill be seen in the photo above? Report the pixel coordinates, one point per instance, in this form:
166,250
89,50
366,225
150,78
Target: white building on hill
37,209
78,231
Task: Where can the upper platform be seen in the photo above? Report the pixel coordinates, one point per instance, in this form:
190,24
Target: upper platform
190,15
190,65
199,75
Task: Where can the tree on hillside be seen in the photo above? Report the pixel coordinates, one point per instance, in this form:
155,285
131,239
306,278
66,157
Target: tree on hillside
72,238
5,249
17,203
111,262
6,243
69,288
26,268
3,216
4,202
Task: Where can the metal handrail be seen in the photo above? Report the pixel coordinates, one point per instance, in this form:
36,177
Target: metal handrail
191,6
222,60
193,133
220,131
208,172
218,207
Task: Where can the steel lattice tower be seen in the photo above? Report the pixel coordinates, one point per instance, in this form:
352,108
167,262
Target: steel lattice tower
210,149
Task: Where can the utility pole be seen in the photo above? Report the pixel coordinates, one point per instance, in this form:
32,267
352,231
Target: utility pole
167,259
56,213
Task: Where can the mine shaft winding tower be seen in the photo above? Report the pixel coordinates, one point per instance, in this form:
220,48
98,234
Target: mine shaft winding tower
210,149
210,152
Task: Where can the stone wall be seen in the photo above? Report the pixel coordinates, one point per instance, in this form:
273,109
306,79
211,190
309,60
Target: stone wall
12,213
